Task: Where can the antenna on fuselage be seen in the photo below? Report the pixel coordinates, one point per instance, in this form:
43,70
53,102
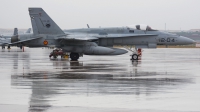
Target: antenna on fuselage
88,26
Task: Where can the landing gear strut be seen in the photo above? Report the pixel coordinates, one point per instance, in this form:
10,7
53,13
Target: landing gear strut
21,47
8,47
74,56
136,52
3,47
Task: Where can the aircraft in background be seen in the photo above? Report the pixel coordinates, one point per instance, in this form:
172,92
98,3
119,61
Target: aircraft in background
28,31
6,39
93,41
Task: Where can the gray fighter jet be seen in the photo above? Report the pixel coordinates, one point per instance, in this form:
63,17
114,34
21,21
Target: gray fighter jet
93,41
6,39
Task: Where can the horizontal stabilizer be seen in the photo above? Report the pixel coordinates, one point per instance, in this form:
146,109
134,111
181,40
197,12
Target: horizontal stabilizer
23,41
4,41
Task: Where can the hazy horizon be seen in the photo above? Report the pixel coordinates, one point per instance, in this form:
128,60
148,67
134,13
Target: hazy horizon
68,14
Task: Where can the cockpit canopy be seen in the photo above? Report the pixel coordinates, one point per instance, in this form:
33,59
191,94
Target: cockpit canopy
141,27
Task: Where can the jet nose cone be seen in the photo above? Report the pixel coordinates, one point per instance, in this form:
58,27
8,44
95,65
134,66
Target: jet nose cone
187,40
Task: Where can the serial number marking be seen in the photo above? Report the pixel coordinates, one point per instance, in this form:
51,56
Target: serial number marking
166,40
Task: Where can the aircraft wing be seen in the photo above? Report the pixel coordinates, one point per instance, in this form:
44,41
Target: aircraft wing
23,41
1,43
4,41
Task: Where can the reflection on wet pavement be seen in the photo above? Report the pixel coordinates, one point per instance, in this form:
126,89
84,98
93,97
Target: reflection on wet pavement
163,80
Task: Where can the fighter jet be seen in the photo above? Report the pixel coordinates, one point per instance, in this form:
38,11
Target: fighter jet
6,39
93,41
4,42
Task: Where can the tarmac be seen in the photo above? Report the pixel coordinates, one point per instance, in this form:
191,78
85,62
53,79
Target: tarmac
163,80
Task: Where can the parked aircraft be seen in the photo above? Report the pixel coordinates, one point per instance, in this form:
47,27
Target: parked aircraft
93,41
6,39
28,31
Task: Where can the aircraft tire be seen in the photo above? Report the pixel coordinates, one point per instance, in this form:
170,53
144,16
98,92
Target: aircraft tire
134,57
55,56
74,56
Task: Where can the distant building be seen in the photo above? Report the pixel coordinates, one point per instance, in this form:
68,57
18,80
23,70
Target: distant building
193,34
194,30
198,44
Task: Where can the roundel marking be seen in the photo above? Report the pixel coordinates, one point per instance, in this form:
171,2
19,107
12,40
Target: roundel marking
48,25
45,42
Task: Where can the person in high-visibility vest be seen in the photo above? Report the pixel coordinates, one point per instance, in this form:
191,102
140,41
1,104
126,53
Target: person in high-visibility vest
140,52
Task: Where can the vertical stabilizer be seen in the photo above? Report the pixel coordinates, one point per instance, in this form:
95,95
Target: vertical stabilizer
34,27
28,31
42,23
15,31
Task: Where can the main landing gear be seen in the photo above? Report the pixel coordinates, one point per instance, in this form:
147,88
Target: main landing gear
59,52
21,47
74,56
8,47
3,47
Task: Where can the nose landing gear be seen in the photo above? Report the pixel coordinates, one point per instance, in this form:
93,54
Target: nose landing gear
137,53
134,57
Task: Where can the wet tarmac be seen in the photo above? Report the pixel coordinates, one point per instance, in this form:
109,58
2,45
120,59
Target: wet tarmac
164,80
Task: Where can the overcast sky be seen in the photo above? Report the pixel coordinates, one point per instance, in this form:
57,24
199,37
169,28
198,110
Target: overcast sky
70,14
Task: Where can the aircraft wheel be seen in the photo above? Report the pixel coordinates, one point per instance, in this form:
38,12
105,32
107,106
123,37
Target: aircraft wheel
55,56
8,47
134,57
74,56
21,47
